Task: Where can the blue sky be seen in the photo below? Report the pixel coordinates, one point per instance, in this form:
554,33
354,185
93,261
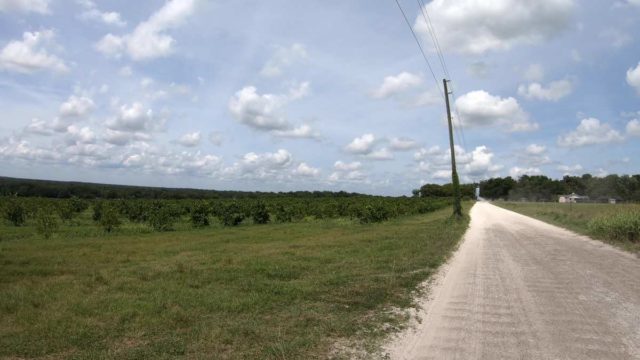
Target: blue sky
309,95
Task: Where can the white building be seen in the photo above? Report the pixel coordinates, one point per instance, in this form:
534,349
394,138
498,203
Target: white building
572,198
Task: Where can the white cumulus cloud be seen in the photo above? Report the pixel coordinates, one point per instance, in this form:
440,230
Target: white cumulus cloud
535,149
91,12
393,85
132,118
190,139
402,144
266,112
38,127
633,127
30,55
590,131
380,154
344,166
517,172
554,91
149,39
261,166
479,108
570,169
76,106
633,78
303,131
37,6
361,145
347,172
305,170
475,27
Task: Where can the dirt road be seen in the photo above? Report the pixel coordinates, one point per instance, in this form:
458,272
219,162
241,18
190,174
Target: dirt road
521,289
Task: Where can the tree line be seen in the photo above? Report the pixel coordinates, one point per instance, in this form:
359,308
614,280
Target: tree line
68,189
46,215
543,188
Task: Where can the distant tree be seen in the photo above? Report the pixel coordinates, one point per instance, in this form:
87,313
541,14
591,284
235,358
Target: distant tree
65,210
374,212
46,222
161,216
78,205
283,213
15,212
435,190
232,214
200,215
259,213
97,210
109,219
497,188
574,184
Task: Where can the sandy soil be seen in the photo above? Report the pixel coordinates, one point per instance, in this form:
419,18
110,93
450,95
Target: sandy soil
519,288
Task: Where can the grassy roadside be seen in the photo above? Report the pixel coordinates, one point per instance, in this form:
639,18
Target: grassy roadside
615,224
272,291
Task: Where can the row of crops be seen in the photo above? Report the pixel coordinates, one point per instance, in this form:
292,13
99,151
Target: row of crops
162,215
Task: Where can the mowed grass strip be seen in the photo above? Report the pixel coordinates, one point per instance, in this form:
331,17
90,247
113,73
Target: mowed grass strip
277,291
617,224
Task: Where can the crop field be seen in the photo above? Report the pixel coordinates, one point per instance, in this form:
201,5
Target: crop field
617,224
225,279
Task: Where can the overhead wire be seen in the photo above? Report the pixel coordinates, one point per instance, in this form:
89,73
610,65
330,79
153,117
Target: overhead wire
459,127
434,37
424,55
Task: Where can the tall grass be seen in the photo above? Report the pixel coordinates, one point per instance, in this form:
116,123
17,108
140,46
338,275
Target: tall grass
623,226
617,224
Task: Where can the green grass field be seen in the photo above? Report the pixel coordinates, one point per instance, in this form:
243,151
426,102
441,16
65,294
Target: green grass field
617,224
276,291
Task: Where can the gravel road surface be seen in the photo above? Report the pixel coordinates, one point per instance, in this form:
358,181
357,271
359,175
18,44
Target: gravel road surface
519,288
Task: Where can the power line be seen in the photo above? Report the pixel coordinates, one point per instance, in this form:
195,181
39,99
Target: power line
434,37
459,117
421,49
459,128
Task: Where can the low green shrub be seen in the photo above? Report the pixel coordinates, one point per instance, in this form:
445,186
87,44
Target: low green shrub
15,212
161,216
283,214
231,214
259,213
200,215
622,226
97,210
46,222
109,219
374,213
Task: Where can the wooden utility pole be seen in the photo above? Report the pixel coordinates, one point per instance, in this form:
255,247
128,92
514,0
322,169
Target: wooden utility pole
457,207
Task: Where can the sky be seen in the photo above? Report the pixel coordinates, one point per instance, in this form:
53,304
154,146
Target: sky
286,95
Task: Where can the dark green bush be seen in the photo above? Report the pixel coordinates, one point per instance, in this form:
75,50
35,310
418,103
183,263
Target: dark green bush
161,216
259,213
78,205
200,215
374,213
97,210
231,214
46,222
65,210
109,219
283,214
15,212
